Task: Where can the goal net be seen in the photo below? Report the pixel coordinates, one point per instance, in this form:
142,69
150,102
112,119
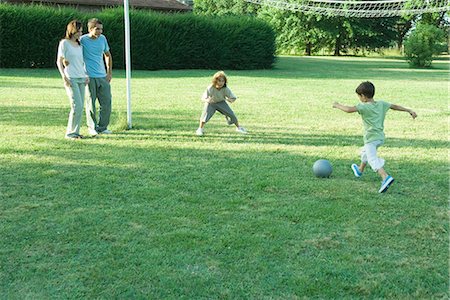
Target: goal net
360,9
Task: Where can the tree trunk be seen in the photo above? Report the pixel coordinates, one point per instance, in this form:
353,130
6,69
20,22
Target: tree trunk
337,46
402,29
308,49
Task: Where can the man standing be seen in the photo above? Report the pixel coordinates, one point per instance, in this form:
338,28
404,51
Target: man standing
95,49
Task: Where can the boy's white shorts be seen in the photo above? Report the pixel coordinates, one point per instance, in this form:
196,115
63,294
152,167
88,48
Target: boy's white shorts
369,155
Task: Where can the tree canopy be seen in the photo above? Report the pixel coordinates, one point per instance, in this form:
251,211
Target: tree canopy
306,33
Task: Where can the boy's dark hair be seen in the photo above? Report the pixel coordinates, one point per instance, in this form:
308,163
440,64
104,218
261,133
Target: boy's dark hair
93,23
366,88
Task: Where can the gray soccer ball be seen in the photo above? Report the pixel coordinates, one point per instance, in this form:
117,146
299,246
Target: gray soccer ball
322,168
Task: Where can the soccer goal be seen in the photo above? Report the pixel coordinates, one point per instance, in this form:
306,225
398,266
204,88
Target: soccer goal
360,9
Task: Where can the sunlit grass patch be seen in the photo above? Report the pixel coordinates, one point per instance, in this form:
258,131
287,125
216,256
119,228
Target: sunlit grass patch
157,212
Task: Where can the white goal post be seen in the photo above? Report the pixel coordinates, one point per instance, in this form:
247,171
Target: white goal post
127,60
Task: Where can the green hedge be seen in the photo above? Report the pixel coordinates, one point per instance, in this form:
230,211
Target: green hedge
30,35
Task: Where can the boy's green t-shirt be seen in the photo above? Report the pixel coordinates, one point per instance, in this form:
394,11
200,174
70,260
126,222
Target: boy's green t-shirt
373,114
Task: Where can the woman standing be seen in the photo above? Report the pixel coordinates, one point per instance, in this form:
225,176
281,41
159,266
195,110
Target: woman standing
71,67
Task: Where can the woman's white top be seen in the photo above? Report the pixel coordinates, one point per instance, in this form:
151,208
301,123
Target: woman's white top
74,55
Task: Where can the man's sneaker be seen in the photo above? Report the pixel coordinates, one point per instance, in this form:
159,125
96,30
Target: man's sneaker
356,170
385,184
241,130
106,131
199,131
92,132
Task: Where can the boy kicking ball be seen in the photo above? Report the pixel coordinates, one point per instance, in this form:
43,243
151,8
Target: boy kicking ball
372,113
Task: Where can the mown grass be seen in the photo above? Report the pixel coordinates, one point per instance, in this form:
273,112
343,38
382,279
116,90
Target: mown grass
156,212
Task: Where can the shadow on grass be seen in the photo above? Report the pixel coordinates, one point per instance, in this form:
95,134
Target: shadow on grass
185,167
176,126
33,116
266,136
349,68
167,210
29,85
115,213
286,67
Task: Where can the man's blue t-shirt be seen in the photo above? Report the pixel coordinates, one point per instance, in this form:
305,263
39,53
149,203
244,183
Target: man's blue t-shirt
93,50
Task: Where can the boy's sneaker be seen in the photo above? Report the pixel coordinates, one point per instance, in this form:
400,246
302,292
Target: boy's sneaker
385,184
106,131
199,131
241,130
356,170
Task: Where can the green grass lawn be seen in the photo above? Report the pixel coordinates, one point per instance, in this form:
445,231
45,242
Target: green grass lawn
157,212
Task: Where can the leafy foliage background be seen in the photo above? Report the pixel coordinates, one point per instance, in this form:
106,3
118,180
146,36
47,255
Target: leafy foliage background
30,35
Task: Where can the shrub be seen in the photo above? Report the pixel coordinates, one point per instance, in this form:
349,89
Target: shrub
424,42
30,35
161,41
